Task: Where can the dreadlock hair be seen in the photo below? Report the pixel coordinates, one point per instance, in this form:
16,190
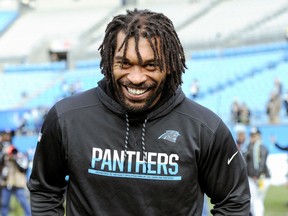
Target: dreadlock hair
151,25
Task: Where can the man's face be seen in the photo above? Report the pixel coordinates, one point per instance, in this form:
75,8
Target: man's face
241,137
138,86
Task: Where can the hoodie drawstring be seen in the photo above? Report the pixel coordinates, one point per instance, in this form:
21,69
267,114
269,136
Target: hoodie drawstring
143,132
127,136
143,141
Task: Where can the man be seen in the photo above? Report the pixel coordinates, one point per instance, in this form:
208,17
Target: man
240,131
274,108
135,145
256,158
14,165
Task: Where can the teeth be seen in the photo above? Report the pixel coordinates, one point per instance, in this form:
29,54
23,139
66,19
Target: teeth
136,91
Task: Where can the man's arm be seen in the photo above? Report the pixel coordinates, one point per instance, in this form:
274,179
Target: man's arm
275,143
281,148
47,181
225,175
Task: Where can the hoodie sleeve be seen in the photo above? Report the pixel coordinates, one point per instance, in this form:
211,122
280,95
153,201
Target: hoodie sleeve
47,181
224,176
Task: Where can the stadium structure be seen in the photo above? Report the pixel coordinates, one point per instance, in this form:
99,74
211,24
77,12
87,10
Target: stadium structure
235,49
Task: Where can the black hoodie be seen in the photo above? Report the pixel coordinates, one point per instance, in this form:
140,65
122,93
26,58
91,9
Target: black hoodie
157,164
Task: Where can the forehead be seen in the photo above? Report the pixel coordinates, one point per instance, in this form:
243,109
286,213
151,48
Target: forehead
144,46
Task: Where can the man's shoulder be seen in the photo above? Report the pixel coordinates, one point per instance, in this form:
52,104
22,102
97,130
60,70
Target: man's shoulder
200,114
78,101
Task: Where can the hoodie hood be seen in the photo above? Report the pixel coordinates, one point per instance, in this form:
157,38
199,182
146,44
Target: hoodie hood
163,107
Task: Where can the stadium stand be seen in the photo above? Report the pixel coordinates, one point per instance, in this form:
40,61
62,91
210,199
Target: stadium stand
6,19
244,73
235,20
8,14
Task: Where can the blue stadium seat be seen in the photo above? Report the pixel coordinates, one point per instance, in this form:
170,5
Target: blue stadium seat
7,17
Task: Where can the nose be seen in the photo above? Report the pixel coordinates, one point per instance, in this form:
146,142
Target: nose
136,75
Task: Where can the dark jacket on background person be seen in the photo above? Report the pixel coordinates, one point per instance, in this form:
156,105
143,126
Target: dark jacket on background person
257,166
189,152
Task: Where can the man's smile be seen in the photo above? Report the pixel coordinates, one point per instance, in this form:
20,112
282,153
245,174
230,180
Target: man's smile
136,94
136,91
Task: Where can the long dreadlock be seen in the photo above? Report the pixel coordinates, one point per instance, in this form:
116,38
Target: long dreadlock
151,25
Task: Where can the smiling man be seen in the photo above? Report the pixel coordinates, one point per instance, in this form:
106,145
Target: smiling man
135,144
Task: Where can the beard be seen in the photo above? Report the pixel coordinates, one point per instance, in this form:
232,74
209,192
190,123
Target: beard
138,106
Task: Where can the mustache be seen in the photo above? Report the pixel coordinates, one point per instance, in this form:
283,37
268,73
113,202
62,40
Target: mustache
141,85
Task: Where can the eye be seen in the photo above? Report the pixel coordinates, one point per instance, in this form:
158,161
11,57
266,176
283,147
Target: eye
126,65
151,66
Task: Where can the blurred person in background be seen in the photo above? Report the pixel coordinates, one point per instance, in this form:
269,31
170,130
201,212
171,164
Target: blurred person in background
274,104
273,108
244,114
285,100
278,87
14,165
235,111
194,89
256,160
240,137
135,144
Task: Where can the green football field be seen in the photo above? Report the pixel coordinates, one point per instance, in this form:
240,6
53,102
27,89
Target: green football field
276,203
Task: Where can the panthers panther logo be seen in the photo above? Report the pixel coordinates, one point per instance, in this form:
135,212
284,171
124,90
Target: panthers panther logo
170,135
